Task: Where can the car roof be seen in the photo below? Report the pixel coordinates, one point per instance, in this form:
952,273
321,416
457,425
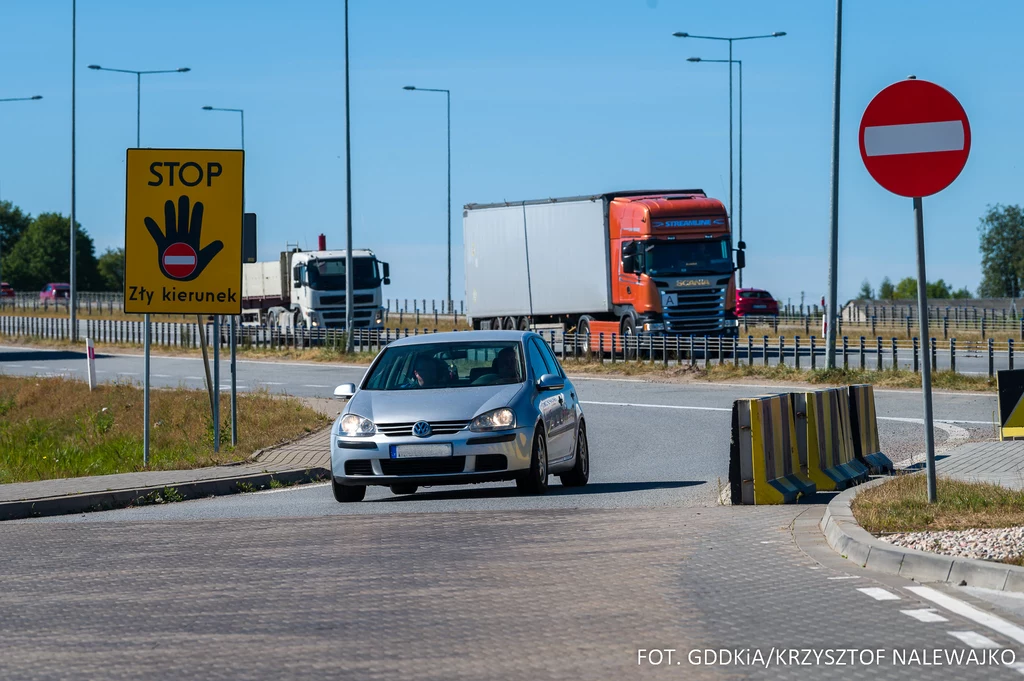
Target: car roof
463,337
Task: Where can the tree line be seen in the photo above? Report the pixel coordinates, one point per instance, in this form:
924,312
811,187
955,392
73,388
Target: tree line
35,251
1001,240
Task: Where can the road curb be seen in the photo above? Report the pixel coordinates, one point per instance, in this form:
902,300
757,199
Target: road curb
141,496
851,541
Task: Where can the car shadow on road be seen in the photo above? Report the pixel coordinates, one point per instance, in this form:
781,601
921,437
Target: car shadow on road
554,490
41,356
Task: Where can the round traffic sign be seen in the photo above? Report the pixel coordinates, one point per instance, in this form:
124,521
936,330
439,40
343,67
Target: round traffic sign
180,260
914,138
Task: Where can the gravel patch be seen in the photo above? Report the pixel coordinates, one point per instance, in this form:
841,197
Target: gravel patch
986,544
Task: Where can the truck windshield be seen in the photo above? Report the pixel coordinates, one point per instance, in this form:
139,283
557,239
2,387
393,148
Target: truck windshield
667,258
329,275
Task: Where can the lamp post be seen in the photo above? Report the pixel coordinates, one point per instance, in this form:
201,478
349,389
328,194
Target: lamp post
740,62
448,97
349,278
138,90
14,99
146,324
232,333
776,34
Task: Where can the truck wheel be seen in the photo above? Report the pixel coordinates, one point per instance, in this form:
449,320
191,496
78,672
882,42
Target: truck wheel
510,324
629,338
524,323
583,330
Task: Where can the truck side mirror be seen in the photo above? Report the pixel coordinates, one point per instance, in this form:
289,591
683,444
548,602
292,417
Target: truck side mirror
629,263
742,245
387,273
741,260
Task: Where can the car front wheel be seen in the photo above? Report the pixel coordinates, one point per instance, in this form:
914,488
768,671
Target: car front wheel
535,481
347,494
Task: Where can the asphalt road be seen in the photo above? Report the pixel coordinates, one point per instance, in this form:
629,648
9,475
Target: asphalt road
476,582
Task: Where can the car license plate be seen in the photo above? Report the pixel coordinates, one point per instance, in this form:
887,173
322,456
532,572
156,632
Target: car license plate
420,451
760,307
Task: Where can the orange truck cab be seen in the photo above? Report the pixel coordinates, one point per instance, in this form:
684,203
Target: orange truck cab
628,262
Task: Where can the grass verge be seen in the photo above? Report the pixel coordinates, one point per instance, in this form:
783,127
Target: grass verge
58,428
941,380
901,505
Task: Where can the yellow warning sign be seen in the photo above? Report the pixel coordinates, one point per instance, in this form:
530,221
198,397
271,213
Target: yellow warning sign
183,231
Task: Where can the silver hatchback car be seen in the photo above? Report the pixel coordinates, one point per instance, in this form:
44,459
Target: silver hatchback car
454,408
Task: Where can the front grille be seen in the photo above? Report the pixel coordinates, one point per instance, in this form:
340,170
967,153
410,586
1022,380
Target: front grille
428,466
436,428
357,299
358,467
491,462
340,314
698,310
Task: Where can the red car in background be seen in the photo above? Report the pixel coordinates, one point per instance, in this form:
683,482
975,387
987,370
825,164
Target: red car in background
5,290
55,292
755,302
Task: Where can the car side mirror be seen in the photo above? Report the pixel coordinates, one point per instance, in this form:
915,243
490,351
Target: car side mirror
550,382
741,260
345,390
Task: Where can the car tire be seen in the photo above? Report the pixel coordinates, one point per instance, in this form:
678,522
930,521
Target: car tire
536,479
580,473
404,488
347,494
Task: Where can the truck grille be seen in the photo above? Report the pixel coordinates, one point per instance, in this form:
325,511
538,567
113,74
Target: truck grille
436,428
698,310
357,299
428,466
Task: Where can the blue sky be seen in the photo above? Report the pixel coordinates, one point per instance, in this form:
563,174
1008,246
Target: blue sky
549,98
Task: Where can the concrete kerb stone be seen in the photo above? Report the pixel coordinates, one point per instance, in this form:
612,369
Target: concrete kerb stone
108,500
850,540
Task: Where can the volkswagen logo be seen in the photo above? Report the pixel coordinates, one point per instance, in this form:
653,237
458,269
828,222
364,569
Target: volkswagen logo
421,429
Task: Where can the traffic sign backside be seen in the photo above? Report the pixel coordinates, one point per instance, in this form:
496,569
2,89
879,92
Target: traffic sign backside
183,231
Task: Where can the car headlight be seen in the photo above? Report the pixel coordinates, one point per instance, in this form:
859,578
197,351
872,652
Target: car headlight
354,425
498,419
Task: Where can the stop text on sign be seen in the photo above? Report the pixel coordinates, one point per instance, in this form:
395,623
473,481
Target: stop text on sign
189,173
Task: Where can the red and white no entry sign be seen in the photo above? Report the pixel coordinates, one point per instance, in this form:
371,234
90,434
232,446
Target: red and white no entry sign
180,260
914,138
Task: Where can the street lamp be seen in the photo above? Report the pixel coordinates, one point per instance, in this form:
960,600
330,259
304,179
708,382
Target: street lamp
15,99
740,62
138,90
232,333
776,34
448,97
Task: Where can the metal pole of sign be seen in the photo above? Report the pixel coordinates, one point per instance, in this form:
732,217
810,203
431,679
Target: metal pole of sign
833,234
216,383
926,369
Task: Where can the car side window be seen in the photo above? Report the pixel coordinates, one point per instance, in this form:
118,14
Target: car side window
536,360
552,362
545,366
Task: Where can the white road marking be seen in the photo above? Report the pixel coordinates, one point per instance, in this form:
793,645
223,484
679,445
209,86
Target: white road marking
879,594
14,366
127,373
925,615
194,378
913,138
656,406
972,613
309,385
974,639
845,577
270,383
39,367
161,376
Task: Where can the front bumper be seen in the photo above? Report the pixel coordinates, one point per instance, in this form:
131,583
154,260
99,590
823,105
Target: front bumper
476,457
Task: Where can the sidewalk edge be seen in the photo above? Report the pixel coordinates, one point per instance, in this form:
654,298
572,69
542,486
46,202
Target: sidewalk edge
853,542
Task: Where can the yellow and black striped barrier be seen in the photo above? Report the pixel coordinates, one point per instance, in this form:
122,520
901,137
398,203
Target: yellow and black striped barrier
764,463
1010,385
824,438
866,446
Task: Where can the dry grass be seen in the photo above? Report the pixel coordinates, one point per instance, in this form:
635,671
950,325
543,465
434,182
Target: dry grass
58,428
901,505
941,380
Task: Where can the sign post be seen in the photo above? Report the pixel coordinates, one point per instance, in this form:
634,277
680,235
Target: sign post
915,140
90,362
183,242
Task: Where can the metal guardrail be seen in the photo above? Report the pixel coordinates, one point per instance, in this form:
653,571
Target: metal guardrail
803,352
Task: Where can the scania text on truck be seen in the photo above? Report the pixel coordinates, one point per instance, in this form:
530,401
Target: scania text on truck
306,289
630,262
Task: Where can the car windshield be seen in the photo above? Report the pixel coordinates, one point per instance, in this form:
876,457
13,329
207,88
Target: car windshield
763,295
447,365
667,258
329,275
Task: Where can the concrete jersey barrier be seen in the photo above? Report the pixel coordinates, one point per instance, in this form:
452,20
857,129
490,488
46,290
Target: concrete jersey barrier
825,439
866,445
764,466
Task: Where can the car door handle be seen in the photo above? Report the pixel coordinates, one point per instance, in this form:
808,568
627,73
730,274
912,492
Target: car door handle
561,400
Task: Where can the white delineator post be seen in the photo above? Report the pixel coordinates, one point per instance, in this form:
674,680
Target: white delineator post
90,361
